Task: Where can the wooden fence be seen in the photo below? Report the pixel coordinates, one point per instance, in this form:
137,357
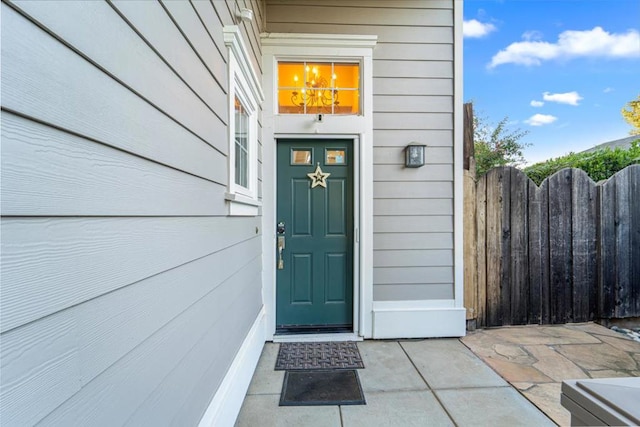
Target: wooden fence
567,251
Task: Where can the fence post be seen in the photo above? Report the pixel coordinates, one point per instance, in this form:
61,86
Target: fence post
469,220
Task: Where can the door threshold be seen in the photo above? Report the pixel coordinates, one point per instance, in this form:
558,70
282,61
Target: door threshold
335,337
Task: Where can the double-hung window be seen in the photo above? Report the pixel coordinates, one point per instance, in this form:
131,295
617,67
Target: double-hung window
245,96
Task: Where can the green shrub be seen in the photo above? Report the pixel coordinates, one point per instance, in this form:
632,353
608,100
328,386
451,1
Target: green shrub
599,165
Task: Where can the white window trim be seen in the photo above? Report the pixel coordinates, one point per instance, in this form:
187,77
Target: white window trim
244,84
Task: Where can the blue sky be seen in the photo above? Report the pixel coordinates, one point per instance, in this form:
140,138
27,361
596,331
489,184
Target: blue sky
560,69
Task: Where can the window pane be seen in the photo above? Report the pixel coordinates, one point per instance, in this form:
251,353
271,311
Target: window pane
335,157
318,87
300,157
241,122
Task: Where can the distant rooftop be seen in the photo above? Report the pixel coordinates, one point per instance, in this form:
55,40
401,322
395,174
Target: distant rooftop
621,143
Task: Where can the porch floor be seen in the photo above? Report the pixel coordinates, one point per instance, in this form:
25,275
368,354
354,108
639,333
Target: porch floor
442,381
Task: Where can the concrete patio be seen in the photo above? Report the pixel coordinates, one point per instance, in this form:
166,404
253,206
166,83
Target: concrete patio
512,379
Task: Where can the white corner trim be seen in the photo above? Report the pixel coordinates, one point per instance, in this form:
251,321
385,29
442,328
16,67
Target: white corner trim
225,405
418,319
233,40
458,144
318,40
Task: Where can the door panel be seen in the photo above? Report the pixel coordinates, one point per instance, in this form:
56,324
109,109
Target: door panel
314,288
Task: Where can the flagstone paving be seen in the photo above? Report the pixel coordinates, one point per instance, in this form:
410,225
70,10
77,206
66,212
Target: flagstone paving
536,359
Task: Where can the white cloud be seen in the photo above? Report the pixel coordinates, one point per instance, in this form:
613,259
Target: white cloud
571,44
570,98
532,35
540,119
608,89
476,29
535,103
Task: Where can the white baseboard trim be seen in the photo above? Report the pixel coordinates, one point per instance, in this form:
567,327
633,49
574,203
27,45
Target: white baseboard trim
418,319
225,406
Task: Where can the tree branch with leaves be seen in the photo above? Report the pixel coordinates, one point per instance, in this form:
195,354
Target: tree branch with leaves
631,114
495,145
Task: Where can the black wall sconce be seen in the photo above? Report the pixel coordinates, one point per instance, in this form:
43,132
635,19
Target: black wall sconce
414,155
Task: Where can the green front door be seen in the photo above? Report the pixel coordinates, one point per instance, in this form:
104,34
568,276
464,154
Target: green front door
314,279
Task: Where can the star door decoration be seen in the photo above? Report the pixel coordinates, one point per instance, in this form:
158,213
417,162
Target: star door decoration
318,177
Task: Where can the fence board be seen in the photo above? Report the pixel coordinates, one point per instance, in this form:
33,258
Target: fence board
495,179
481,258
607,264
519,247
583,216
470,245
623,246
534,313
505,249
560,246
634,220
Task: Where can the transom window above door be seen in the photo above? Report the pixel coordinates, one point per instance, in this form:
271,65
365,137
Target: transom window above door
318,87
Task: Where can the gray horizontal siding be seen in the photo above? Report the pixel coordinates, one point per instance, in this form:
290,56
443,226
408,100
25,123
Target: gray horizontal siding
126,290
412,102
395,155
404,292
413,258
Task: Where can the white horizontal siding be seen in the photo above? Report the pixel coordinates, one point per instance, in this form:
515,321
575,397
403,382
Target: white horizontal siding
126,290
45,80
134,378
46,171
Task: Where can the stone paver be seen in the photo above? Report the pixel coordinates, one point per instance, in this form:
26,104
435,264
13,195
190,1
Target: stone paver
622,343
263,411
495,406
553,364
515,372
597,357
543,335
446,363
392,409
265,380
387,368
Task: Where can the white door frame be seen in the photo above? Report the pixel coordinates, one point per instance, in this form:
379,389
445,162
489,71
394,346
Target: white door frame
325,47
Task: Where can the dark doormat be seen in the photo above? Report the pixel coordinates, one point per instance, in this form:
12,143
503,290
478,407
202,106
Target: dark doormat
318,355
314,388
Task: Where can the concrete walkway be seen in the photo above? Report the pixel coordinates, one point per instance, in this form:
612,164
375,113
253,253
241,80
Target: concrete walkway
442,382
406,383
